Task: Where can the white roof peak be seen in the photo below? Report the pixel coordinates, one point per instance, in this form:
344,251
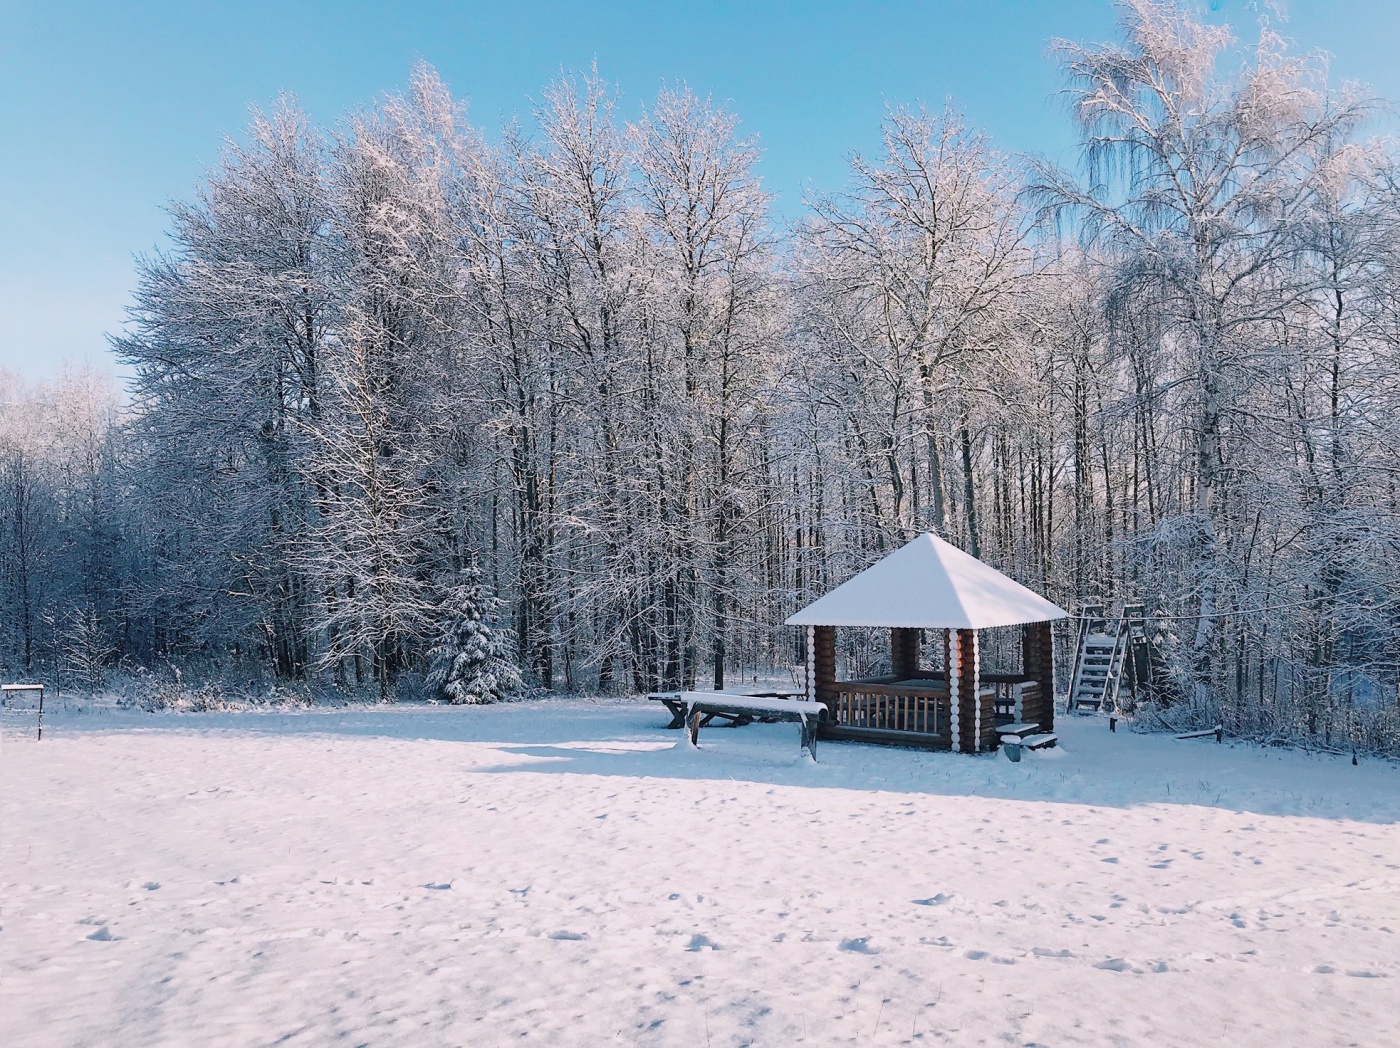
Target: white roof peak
928,584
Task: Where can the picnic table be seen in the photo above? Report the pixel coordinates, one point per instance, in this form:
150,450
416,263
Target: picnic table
674,702
703,707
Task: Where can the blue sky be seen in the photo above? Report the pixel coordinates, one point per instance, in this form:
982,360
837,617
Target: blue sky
112,109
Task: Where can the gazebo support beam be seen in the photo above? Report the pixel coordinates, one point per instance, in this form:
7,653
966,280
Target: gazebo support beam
904,653
976,719
1038,662
824,666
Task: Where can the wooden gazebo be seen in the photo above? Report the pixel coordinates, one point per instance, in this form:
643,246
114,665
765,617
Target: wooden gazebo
931,585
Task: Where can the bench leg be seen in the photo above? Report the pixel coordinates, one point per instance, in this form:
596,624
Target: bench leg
809,737
677,715
693,728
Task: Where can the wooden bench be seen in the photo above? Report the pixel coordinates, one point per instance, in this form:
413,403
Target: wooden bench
701,707
1218,731
1025,737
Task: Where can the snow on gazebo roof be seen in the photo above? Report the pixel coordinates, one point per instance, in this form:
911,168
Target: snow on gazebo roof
928,584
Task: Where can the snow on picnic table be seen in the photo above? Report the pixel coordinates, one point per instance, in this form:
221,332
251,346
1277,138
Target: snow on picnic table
561,873
751,702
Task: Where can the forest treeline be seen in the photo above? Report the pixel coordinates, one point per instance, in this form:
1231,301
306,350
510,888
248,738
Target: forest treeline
589,362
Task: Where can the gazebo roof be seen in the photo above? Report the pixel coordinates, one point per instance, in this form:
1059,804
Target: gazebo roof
928,584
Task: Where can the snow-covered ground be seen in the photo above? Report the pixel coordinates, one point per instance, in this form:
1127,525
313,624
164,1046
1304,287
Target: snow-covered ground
563,873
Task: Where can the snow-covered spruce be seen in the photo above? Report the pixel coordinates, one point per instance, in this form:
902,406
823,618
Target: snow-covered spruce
471,662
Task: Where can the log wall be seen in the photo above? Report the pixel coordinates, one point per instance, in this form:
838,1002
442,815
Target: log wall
1038,662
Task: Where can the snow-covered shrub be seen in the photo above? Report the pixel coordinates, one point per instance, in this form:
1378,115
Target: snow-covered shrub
471,662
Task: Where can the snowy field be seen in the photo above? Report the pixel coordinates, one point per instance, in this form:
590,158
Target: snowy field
562,873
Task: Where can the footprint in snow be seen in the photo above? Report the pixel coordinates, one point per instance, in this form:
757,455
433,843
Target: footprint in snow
102,935
860,945
932,900
565,936
983,955
1116,964
1041,951
702,942
445,886
151,886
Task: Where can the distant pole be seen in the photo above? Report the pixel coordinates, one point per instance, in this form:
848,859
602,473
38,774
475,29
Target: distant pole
41,714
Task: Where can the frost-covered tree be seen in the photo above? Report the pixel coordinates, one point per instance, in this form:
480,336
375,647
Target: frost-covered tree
911,273
706,216
226,338
373,444
86,651
472,661
1196,183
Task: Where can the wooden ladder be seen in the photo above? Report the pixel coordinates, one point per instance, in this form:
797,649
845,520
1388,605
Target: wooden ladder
1098,662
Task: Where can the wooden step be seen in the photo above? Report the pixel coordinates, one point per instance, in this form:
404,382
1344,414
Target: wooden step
1019,730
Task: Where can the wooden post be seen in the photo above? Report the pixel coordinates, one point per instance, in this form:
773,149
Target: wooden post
809,676
979,723
952,673
1038,663
904,653
969,710
824,667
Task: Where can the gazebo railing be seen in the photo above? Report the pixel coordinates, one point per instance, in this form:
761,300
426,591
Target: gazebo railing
921,704
891,707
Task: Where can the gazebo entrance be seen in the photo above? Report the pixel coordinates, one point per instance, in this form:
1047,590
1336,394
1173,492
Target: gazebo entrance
931,587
